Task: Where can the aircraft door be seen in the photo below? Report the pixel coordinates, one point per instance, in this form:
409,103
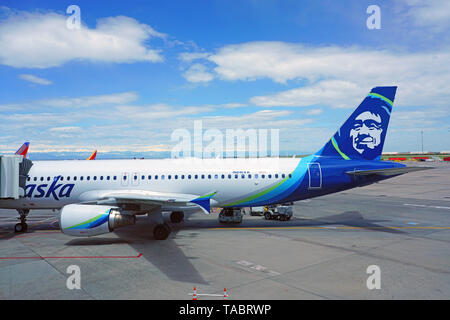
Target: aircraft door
315,175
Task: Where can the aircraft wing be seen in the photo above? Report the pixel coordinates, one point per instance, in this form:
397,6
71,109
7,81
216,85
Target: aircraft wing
149,197
387,171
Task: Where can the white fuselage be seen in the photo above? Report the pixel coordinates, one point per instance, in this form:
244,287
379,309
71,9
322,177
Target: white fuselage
230,178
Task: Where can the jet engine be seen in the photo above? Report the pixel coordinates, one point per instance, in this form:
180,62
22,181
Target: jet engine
91,220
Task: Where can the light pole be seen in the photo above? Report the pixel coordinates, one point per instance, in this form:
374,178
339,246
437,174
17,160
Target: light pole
422,139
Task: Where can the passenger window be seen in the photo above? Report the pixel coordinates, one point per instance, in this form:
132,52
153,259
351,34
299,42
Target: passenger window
88,178
48,178
176,176
135,177
95,177
156,177
62,178
235,176
81,178
101,177
75,178
290,175
143,177
149,177
216,176
115,177
162,177
269,176
203,176
124,177
249,176
35,178
182,176
169,177
276,175
243,176
263,176
189,176
229,176
196,176
108,178
283,176
209,176
223,176
256,176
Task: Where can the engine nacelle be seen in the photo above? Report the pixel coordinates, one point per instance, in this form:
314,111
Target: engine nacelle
91,220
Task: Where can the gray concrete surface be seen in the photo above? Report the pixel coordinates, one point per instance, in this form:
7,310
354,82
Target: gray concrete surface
402,225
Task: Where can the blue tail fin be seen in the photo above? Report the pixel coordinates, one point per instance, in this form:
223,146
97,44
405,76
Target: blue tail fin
362,135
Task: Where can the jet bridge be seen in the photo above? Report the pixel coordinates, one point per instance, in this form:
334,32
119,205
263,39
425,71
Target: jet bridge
13,175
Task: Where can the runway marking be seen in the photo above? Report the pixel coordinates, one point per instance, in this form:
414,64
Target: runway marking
76,257
425,206
250,266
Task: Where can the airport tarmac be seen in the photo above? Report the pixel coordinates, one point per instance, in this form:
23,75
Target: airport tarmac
401,225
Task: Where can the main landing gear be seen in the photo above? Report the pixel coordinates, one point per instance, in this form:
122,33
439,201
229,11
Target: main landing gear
161,230
22,226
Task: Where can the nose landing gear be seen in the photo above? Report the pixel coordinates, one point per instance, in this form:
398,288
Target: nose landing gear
22,226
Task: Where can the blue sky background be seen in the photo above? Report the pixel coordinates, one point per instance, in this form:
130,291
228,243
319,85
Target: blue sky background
311,63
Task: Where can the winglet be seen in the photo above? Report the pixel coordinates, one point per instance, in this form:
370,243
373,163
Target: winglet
204,202
23,149
92,156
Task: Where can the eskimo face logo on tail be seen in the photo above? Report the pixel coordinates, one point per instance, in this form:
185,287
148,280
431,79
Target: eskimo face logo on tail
366,132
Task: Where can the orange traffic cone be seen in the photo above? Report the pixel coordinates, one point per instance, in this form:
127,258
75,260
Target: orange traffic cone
225,294
194,296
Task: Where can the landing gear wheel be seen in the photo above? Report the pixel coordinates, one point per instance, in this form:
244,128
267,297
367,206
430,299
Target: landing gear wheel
267,216
161,231
20,227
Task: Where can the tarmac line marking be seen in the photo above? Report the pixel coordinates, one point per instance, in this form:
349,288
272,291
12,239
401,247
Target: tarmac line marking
76,257
425,206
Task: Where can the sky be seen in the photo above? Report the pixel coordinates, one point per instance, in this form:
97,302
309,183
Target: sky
134,72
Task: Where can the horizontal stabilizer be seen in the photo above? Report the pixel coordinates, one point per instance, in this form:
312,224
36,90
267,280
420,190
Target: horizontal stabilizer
204,202
387,171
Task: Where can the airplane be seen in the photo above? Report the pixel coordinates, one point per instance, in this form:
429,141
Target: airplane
23,149
96,197
92,156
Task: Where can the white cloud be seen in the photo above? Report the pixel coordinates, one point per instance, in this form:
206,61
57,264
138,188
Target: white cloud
191,56
347,73
314,112
65,129
42,40
35,79
90,101
433,14
335,93
198,73
77,102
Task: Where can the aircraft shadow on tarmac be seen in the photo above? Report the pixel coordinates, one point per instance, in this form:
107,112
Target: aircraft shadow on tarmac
352,219
168,256
165,255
